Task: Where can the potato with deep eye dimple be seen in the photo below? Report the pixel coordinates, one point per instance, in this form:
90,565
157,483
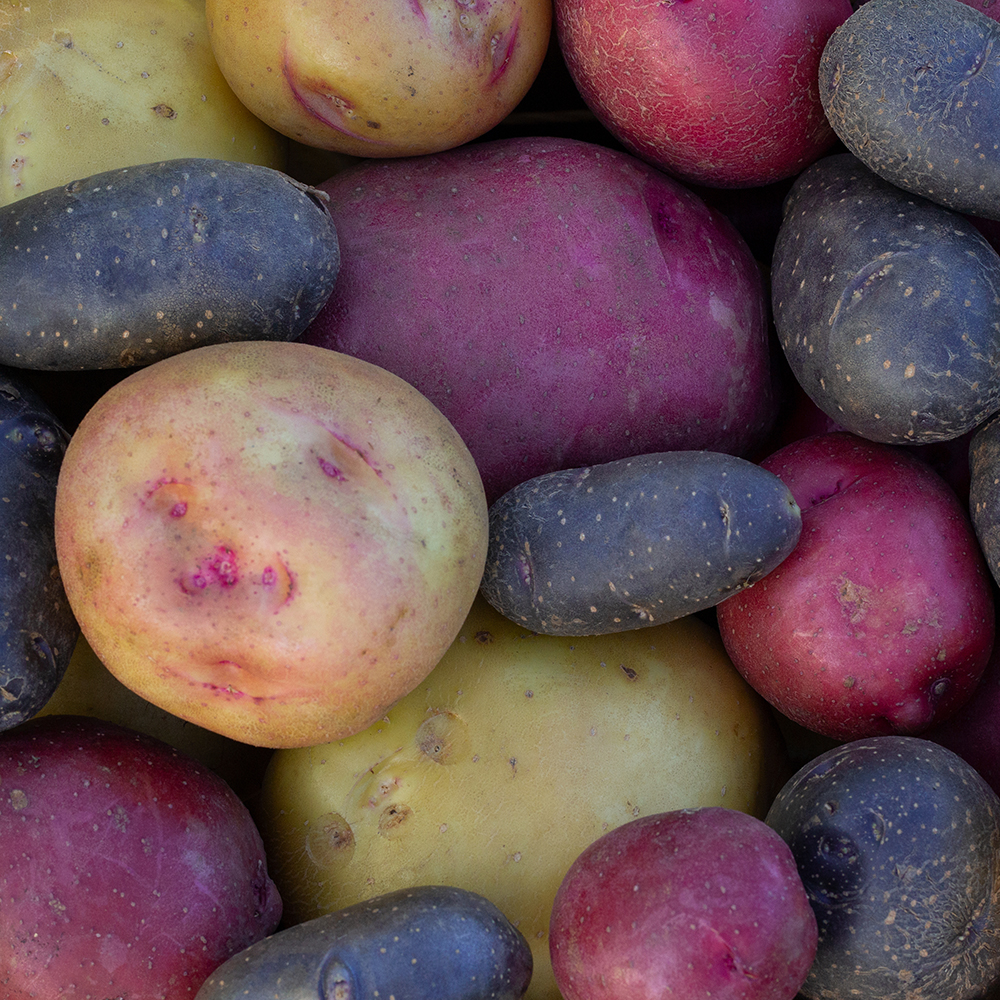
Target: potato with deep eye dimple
384,79
271,540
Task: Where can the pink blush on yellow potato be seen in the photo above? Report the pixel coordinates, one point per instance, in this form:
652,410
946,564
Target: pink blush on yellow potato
275,543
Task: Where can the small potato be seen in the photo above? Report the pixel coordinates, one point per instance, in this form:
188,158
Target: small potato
516,752
130,266
635,542
88,86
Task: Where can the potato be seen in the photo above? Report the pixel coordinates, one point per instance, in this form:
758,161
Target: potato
132,265
897,841
912,88
37,628
431,942
387,79
268,539
515,753
88,86
886,306
635,542
562,303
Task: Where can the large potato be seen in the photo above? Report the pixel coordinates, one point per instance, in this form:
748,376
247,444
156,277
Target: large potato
515,753
268,539
87,86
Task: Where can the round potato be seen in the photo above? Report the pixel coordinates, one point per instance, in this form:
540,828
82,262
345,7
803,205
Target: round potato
516,752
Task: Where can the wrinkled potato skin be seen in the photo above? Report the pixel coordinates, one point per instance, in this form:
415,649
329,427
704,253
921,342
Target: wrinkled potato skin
88,86
269,540
515,753
393,79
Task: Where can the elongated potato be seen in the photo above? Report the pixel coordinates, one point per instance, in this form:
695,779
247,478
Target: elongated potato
635,542
88,86
133,265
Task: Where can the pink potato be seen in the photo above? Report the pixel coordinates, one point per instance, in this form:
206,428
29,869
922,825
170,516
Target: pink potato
270,540
881,620
126,868
717,92
688,904
562,303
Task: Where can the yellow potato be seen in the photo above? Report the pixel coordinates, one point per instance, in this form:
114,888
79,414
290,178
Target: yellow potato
92,85
381,79
515,753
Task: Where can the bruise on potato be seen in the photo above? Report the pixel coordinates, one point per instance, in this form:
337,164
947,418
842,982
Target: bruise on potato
897,840
887,306
132,265
912,88
37,628
422,943
635,542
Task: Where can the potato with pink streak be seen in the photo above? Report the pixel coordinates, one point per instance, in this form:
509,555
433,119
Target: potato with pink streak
562,303
270,540
386,79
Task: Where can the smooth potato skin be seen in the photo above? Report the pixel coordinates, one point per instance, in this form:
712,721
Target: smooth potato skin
718,92
270,540
635,542
429,942
129,266
89,86
513,754
382,80
562,303
897,841
912,88
886,306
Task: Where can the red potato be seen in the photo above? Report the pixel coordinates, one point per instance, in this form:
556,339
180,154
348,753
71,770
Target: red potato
562,303
126,868
881,620
688,904
717,92
270,540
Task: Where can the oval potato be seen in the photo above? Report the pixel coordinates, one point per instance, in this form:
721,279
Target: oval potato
515,753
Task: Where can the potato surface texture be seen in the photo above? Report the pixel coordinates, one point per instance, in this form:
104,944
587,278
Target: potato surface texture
129,266
515,753
897,841
887,306
270,540
431,942
380,79
88,86
562,303
635,542
912,88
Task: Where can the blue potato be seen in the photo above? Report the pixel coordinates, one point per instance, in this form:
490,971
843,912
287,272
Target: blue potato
912,88
897,841
984,491
37,628
422,943
887,306
635,542
132,265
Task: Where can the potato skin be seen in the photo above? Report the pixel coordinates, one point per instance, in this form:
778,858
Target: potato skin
424,943
132,265
897,840
635,542
912,87
886,306
37,628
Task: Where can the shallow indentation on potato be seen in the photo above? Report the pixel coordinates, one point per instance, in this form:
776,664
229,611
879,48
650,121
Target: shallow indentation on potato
443,738
392,820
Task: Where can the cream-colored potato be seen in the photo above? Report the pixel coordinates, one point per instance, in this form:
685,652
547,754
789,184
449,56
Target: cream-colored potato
515,753
271,540
92,85
392,78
